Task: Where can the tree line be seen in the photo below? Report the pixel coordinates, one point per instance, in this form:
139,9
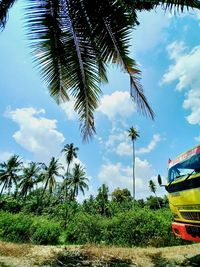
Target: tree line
21,179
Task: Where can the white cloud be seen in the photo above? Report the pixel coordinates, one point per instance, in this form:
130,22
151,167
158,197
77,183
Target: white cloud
193,102
36,133
68,108
151,146
185,71
116,137
118,104
146,36
176,49
197,138
119,143
124,149
118,175
4,155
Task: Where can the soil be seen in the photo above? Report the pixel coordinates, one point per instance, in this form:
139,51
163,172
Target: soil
26,255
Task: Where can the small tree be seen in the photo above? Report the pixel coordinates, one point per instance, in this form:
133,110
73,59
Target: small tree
77,181
70,152
9,173
121,195
102,200
152,188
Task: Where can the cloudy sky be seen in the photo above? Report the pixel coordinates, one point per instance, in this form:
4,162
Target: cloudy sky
167,49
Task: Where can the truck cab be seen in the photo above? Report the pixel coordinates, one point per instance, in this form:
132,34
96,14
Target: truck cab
183,190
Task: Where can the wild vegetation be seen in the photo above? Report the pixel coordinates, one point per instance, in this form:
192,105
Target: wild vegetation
39,205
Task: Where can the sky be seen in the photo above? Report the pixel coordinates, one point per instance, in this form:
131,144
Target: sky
33,126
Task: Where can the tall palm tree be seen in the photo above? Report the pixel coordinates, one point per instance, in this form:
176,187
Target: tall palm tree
133,134
70,152
152,188
49,175
73,41
29,178
78,180
9,173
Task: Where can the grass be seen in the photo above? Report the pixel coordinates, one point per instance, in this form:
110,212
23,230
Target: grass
21,255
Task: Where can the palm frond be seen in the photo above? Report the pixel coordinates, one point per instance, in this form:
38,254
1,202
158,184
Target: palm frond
5,5
179,5
171,5
44,23
111,23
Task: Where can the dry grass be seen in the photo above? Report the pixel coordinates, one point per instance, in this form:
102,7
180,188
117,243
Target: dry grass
14,250
30,255
144,256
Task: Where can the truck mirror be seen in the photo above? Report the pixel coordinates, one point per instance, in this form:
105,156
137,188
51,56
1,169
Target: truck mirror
159,180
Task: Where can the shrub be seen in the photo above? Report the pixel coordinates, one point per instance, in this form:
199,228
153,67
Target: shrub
44,231
15,227
23,228
138,227
84,228
10,204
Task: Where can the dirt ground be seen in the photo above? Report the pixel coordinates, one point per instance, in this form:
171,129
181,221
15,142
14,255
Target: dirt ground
13,255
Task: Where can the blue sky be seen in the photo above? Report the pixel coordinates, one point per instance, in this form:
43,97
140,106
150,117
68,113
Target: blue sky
167,49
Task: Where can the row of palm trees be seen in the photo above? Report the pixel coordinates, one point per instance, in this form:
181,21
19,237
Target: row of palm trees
13,174
22,179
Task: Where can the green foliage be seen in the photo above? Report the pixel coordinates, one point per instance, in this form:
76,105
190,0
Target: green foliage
120,195
84,228
24,228
155,202
15,227
102,200
44,231
141,227
10,204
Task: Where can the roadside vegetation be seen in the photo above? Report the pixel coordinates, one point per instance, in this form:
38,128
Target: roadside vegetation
38,205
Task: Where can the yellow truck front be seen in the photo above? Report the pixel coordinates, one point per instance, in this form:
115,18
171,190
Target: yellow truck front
183,187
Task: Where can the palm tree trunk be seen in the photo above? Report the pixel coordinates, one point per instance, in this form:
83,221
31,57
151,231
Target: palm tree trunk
2,188
157,201
133,173
74,193
66,191
45,187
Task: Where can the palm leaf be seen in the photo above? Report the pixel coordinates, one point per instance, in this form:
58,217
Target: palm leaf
45,32
5,5
179,5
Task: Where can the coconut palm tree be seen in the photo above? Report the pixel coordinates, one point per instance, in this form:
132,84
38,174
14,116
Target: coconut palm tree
152,188
48,176
9,173
70,152
29,178
77,181
73,41
133,134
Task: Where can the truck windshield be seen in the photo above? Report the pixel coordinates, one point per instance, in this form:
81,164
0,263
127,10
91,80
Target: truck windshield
184,168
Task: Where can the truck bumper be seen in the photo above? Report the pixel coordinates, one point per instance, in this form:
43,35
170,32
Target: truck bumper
186,231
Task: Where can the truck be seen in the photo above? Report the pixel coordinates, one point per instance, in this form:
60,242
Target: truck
183,191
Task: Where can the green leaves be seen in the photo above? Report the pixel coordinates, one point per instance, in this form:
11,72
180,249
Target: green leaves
5,5
73,41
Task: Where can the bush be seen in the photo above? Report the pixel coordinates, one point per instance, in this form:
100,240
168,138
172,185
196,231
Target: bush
139,227
23,228
10,204
44,231
15,227
84,228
